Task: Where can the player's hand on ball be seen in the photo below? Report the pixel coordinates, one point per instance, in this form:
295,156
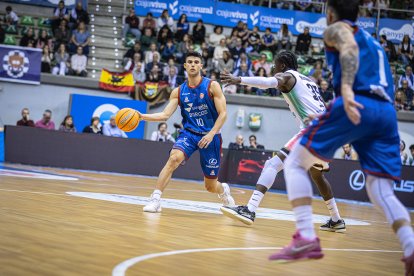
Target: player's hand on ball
227,78
206,140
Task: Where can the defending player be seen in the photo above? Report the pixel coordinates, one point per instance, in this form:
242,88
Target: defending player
302,95
203,108
363,115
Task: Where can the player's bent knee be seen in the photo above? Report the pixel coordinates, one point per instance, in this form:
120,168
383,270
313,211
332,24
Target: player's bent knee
176,158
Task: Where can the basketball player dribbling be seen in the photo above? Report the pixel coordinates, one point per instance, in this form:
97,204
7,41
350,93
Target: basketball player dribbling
302,95
362,115
203,109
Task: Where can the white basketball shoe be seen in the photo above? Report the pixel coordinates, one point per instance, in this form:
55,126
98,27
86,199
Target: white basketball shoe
154,205
226,197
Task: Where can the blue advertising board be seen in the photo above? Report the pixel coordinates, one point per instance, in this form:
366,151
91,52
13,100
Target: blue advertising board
84,107
228,14
20,64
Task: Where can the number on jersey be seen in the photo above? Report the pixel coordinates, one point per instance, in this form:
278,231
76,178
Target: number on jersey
316,96
200,121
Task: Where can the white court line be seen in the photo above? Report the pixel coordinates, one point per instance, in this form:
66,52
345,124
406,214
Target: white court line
31,192
121,268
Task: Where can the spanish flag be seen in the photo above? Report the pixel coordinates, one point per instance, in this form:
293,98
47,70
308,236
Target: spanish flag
116,82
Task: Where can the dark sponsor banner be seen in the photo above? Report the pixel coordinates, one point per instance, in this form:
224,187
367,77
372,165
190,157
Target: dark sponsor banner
20,64
346,177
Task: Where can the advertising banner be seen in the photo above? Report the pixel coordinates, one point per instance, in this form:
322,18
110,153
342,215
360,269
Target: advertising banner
20,64
395,29
83,108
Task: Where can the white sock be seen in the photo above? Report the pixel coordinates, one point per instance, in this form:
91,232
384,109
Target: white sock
255,200
406,236
333,209
156,194
304,224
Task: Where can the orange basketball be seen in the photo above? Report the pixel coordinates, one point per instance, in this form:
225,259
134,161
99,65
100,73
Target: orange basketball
127,119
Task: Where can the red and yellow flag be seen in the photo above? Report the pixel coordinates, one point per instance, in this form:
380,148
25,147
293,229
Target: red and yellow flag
116,82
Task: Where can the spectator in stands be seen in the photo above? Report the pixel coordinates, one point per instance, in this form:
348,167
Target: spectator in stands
149,55
405,51
149,22
169,50
25,120
208,64
132,51
62,61
10,18
262,63
147,39
254,144
28,38
139,73
131,25
254,39
244,33
226,63
77,15
304,6
110,129
286,5
410,105
2,34
268,41
243,71
243,59
408,91
60,13
47,57
408,76
238,145
162,134
237,50
155,61
172,78
165,20
80,37
199,32
163,35
67,124
62,34
411,161
284,36
44,39
303,42
182,27
403,155
170,63
383,5
232,40
184,47
78,63
219,50
129,63
400,100
348,152
155,74
388,47
327,94
46,122
94,127
216,37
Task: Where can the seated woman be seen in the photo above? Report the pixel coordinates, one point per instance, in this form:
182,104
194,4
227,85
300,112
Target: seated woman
94,127
80,37
62,61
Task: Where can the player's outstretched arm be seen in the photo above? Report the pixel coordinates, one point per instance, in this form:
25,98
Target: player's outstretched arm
283,81
220,104
340,36
167,112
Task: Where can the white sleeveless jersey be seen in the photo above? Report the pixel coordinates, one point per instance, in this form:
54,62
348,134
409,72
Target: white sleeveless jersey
304,98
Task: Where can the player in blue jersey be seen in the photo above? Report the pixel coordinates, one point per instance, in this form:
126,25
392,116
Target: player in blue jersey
362,115
203,108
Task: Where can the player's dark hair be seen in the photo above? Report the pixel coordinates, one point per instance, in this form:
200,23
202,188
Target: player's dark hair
345,9
411,147
193,54
288,58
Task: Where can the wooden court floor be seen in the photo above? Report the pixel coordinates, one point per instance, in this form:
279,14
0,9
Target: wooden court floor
92,224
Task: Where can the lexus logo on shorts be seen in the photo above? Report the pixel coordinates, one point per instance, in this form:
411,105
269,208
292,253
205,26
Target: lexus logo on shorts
212,161
357,180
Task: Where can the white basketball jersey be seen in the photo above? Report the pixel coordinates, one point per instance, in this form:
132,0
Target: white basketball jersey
304,98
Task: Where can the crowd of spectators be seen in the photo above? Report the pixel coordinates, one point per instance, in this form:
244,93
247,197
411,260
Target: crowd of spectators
65,45
238,144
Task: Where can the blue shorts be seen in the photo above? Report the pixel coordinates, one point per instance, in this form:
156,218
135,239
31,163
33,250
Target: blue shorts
375,139
209,157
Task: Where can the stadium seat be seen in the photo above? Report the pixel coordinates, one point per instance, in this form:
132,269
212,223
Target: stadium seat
43,22
10,39
305,70
27,20
11,29
129,42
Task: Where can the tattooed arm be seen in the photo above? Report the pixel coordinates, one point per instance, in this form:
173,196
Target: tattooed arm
339,35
